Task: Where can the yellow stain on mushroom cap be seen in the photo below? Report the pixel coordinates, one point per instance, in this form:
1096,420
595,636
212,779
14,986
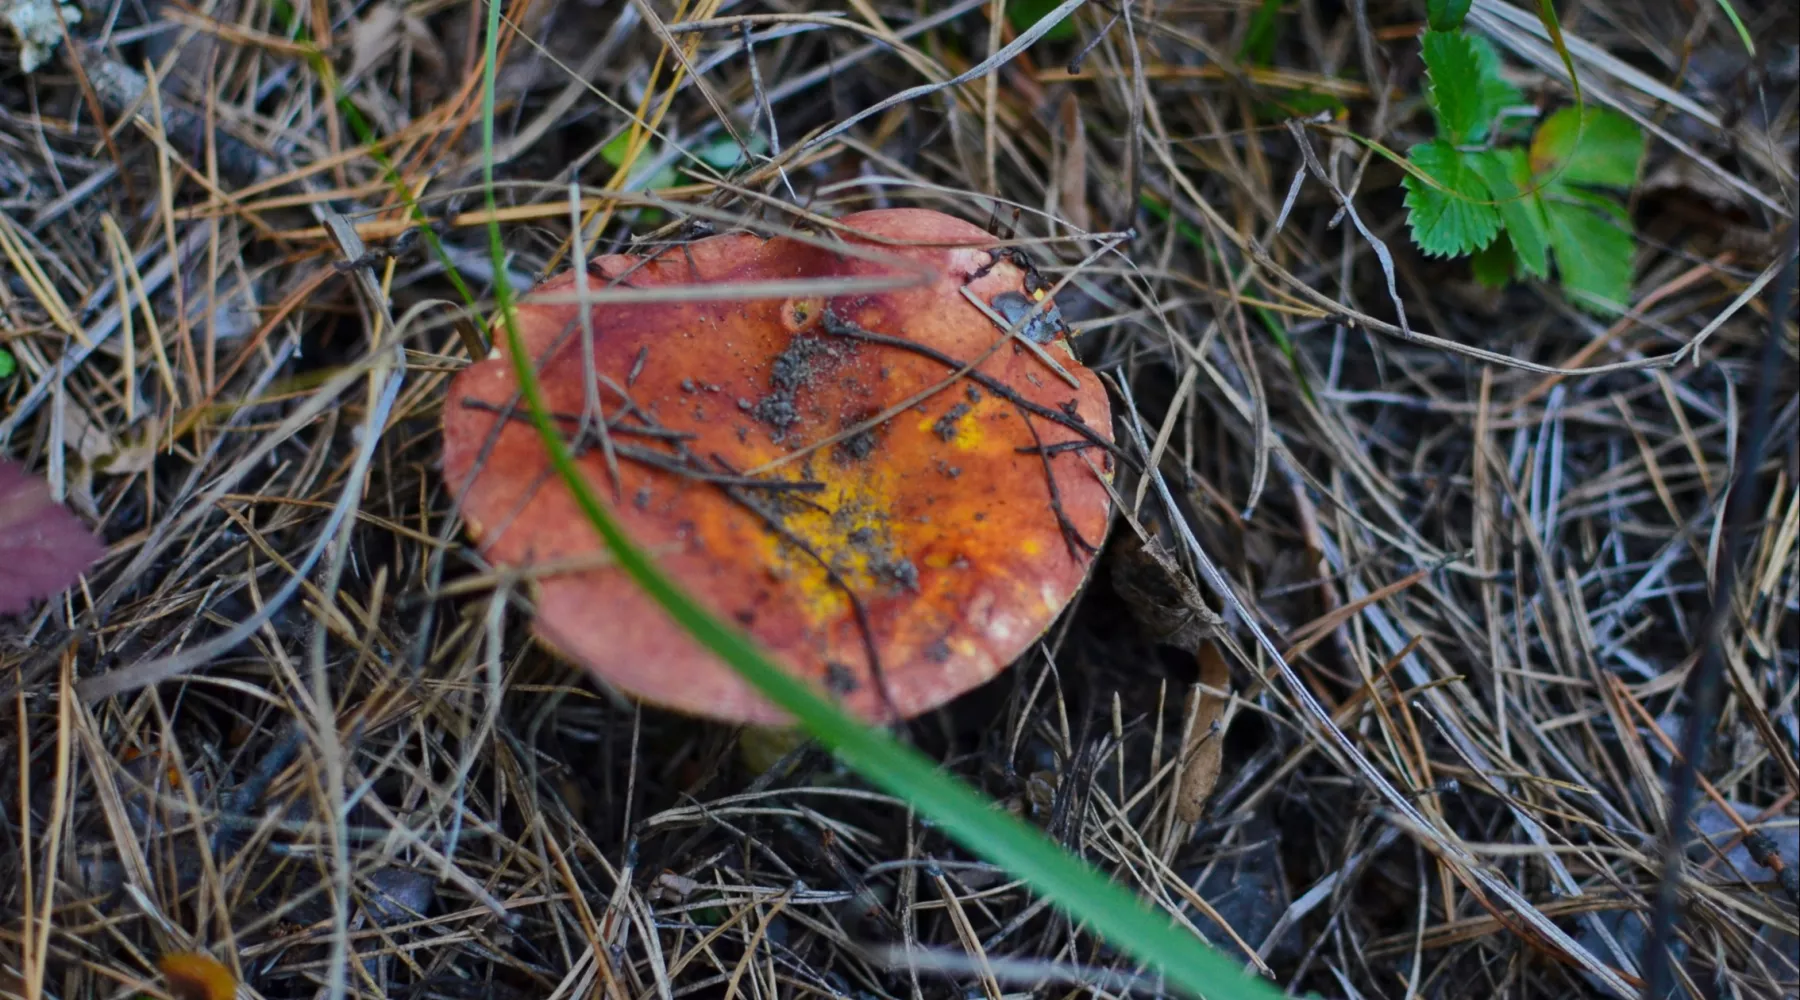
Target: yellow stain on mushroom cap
837,539
959,428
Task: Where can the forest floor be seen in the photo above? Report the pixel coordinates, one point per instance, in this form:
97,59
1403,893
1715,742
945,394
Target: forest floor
1487,533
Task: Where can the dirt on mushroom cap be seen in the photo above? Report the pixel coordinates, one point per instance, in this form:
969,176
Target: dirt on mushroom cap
895,568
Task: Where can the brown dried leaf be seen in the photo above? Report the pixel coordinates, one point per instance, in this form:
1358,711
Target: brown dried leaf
132,459
136,455
1072,177
1205,750
1161,598
88,438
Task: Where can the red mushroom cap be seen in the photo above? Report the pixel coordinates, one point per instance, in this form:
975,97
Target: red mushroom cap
896,567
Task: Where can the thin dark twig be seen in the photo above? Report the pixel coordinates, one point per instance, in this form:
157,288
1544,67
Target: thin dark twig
692,469
1059,448
670,464
1764,851
1705,686
1078,546
1099,36
616,425
838,326
663,461
244,797
1134,142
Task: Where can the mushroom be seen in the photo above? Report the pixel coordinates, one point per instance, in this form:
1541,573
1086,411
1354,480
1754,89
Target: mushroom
789,463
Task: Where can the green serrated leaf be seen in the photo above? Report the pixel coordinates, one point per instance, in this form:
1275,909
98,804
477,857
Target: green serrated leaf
1508,179
1591,235
1025,13
1493,264
1455,88
1452,218
1496,94
1466,92
1446,15
1598,147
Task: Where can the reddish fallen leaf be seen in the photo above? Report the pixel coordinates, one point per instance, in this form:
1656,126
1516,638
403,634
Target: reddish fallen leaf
43,548
895,566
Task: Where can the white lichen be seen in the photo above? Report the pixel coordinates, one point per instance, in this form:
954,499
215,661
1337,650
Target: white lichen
36,25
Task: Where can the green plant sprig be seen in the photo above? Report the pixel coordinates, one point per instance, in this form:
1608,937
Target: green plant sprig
1514,210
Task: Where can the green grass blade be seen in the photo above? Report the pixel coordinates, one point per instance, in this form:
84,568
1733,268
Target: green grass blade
1731,15
1108,909
1547,17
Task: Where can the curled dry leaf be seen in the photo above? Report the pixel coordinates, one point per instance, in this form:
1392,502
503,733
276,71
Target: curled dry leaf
1205,750
894,566
43,547
1161,598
